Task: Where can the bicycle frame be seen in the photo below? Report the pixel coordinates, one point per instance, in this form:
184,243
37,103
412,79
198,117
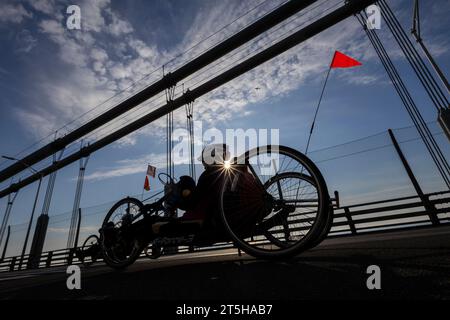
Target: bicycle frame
151,208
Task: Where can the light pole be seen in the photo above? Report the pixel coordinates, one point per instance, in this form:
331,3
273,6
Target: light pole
34,206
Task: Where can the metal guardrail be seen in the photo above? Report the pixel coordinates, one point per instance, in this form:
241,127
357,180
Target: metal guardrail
390,214
384,215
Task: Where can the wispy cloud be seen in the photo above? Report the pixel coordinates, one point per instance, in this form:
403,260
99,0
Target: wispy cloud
100,66
25,41
13,13
43,6
92,229
128,167
108,56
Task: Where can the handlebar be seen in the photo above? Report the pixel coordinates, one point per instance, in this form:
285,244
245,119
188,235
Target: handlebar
169,179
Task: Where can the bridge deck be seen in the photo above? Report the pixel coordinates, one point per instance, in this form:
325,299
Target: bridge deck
414,264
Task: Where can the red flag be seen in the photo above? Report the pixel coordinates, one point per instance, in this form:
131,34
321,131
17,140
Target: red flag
146,184
341,60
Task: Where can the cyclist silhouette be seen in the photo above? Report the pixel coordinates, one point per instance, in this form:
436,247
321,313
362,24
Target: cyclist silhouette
200,203
205,196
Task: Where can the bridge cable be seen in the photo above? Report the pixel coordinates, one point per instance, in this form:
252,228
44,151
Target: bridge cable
429,81
217,63
416,32
403,92
146,76
190,128
420,69
11,199
51,184
249,64
405,96
76,203
170,94
303,13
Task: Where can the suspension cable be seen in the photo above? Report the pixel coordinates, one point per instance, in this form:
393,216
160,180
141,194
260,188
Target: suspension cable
281,27
134,83
421,70
217,64
403,93
408,102
190,127
416,59
170,94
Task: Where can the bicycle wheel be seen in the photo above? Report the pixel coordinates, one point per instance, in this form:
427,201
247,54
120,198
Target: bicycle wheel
274,202
120,246
88,244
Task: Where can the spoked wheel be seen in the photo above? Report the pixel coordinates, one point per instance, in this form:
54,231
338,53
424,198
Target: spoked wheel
274,202
119,243
92,246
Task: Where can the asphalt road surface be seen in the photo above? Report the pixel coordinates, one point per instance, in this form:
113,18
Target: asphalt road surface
414,264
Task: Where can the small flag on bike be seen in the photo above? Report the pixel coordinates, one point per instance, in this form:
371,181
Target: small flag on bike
146,184
151,171
341,60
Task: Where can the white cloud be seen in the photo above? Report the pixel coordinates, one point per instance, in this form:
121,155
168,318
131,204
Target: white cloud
25,42
43,6
13,13
364,79
119,27
99,68
91,12
37,121
51,27
99,54
129,166
142,49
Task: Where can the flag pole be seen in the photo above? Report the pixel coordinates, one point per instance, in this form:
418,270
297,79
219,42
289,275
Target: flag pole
142,195
317,108
143,189
339,60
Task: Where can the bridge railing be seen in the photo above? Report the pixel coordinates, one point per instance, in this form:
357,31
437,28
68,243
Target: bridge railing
376,216
394,213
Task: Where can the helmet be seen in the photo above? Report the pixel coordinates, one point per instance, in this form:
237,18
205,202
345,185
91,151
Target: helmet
186,187
215,154
180,194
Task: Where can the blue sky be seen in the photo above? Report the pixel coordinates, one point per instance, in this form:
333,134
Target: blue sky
50,75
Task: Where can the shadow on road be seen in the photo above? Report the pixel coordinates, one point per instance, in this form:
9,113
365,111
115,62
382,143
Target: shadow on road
413,266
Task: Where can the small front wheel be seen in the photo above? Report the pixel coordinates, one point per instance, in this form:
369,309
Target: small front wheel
90,250
120,246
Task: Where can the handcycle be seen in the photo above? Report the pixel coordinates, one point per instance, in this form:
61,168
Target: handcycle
273,203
